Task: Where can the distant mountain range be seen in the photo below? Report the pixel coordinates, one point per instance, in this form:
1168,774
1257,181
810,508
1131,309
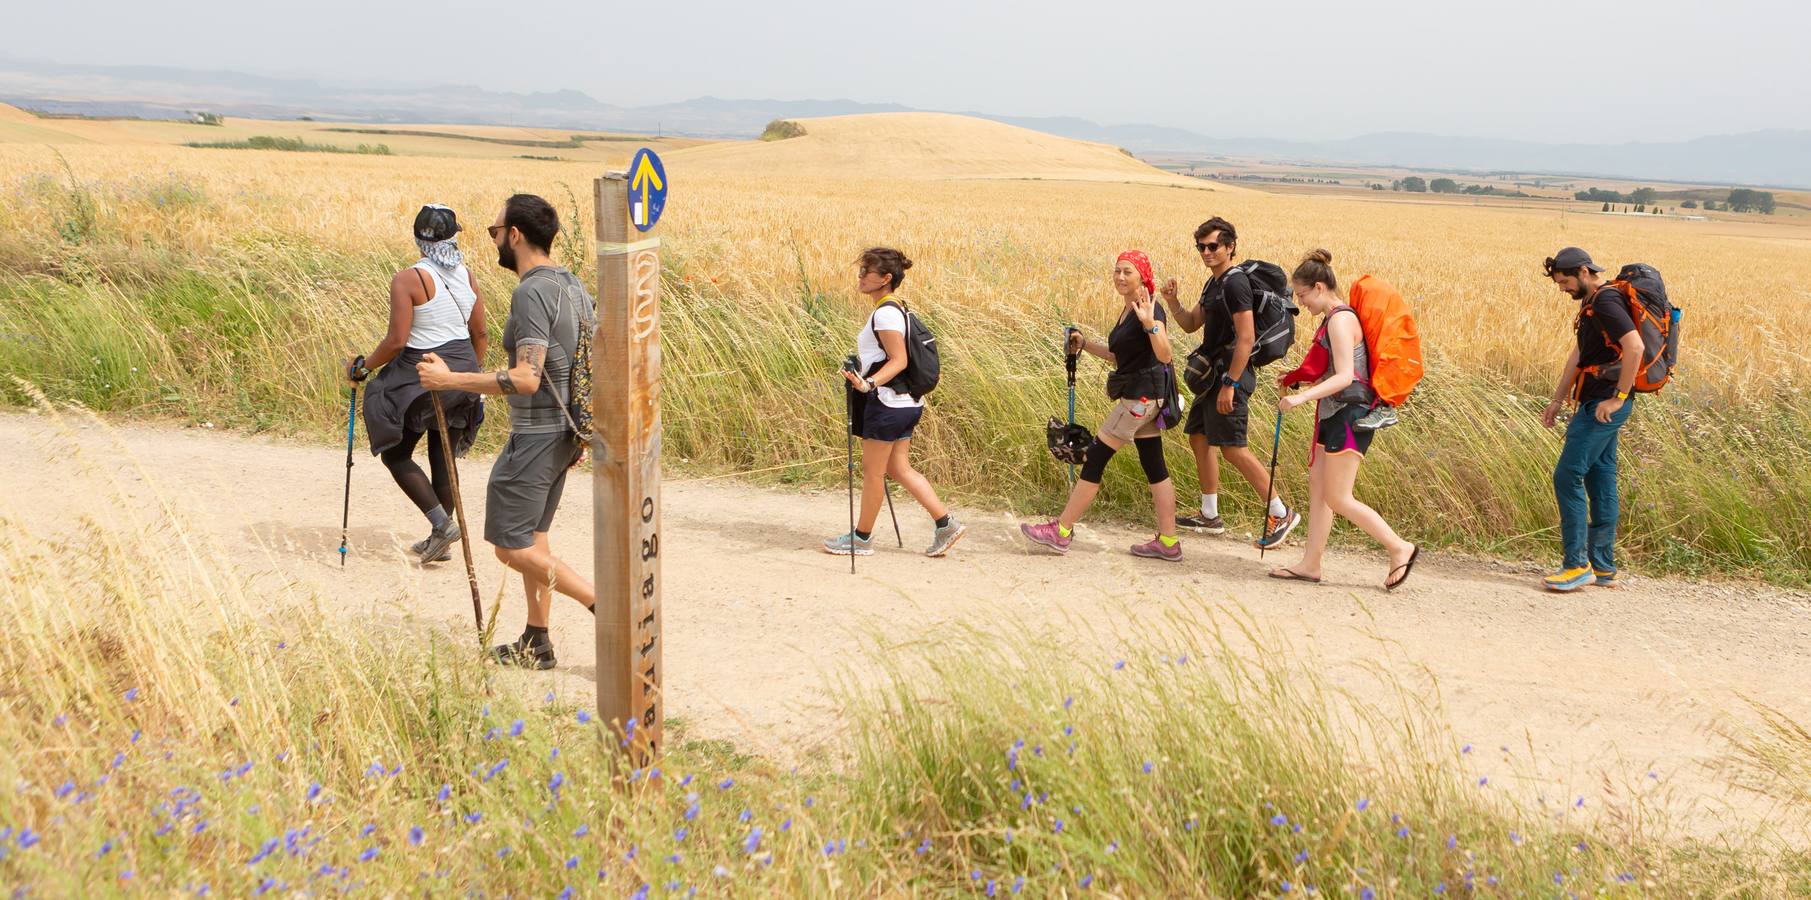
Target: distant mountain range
1763,158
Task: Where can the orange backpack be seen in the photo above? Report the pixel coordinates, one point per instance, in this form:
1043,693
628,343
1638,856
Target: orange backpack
1391,338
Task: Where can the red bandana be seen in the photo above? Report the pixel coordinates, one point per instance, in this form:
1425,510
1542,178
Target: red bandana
1142,263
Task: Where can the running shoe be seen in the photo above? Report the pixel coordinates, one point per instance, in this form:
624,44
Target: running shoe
946,537
1155,549
422,544
1382,415
1567,580
1608,579
1202,523
526,654
1049,534
850,544
440,541
1277,528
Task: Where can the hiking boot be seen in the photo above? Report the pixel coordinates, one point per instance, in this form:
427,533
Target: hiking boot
439,540
1382,415
524,653
1608,579
1566,580
1155,549
847,544
946,537
422,544
1049,534
1276,529
1202,523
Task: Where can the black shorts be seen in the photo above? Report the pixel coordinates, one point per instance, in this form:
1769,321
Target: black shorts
1335,433
1220,431
525,486
881,422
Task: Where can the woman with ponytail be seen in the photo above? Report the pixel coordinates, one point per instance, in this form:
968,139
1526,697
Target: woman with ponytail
1341,392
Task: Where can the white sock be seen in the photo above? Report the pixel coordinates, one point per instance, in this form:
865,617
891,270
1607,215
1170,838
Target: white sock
1210,505
1277,508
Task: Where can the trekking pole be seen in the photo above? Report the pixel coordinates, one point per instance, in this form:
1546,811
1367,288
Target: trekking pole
849,432
465,537
351,413
1069,361
888,486
1276,444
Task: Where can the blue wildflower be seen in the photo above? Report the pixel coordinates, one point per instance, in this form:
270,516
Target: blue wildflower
582,830
585,719
415,836
1279,820
726,784
131,694
1119,665
369,854
314,791
515,728
446,790
1363,804
1087,880
753,841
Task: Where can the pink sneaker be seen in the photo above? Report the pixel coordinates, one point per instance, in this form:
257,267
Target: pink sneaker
1154,549
1050,534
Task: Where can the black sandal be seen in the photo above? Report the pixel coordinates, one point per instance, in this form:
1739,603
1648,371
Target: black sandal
1405,569
1292,576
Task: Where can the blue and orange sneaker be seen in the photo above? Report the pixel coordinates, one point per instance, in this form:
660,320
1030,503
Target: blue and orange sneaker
1607,579
1566,580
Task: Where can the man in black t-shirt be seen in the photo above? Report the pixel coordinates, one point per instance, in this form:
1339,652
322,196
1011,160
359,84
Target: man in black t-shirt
1221,417
1584,479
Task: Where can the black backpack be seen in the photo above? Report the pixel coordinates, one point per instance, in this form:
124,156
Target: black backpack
1273,311
1650,290
923,367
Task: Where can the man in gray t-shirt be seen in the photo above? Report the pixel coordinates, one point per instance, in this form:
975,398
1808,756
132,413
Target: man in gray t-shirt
547,310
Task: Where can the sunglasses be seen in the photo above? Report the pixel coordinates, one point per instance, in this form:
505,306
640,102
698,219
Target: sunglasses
1209,247
495,230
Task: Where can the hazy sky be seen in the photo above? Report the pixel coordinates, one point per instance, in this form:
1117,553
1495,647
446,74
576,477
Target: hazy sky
1550,70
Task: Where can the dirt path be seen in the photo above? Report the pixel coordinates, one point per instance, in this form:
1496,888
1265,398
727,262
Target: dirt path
1602,686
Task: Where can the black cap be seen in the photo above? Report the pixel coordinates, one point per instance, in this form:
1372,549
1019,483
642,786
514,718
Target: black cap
435,223
1572,258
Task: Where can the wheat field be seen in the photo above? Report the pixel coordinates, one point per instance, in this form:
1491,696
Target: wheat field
169,280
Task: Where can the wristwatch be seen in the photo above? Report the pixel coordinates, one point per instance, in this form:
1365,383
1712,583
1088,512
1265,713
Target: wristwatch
1226,381
1152,329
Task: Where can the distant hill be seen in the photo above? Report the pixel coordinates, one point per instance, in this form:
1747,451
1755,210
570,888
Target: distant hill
1760,159
911,145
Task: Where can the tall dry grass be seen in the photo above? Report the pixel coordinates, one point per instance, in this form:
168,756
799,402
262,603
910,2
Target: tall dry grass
171,281
167,730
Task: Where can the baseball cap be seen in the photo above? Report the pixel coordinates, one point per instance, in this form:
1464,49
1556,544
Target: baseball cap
1572,258
435,223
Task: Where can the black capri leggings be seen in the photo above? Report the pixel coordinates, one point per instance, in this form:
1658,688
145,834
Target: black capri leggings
1150,457
424,492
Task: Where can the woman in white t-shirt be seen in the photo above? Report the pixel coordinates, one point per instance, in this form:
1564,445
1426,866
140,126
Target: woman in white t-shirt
883,417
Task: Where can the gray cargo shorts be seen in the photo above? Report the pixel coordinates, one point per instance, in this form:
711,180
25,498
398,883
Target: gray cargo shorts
525,487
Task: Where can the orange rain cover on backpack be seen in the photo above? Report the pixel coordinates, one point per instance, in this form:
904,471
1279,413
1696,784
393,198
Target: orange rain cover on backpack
1390,337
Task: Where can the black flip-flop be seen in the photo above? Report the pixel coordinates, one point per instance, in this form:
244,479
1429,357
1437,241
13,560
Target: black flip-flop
1292,576
1405,568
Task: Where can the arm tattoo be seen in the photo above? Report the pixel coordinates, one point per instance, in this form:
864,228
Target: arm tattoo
504,384
532,356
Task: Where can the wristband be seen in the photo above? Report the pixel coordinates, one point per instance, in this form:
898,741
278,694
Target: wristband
1622,395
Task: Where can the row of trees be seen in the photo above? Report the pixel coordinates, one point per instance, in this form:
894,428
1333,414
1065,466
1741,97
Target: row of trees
1740,200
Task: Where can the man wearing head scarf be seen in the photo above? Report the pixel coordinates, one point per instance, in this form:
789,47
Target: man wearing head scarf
434,308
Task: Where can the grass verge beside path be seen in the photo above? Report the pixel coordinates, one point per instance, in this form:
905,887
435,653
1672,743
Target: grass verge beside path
168,732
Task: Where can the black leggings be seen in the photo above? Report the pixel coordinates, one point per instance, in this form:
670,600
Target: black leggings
425,494
1150,456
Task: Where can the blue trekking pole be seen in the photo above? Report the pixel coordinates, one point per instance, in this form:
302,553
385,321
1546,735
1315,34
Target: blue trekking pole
1276,444
351,418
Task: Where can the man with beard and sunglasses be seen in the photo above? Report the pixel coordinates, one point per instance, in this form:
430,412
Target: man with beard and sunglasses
546,311
1221,417
1584,479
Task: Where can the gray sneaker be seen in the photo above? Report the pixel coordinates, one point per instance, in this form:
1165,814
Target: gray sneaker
1276,529
1382,415
422,544
946,537
1202,523
847,544
439,541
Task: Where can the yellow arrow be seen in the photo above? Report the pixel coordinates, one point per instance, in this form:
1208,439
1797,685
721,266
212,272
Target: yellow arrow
645,176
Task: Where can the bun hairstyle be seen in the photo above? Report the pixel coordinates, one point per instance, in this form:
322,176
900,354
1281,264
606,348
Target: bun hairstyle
888,262
1316,268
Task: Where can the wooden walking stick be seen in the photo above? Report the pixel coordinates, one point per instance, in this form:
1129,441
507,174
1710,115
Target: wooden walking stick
465,537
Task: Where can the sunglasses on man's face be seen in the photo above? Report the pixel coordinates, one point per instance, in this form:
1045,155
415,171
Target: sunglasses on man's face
495,230
1209,247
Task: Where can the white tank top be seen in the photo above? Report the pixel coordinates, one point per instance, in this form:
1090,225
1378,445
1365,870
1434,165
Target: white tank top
442,318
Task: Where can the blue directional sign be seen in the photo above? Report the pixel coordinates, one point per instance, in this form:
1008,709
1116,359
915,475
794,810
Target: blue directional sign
647,189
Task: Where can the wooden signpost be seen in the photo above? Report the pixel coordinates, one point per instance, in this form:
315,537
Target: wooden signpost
625,379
